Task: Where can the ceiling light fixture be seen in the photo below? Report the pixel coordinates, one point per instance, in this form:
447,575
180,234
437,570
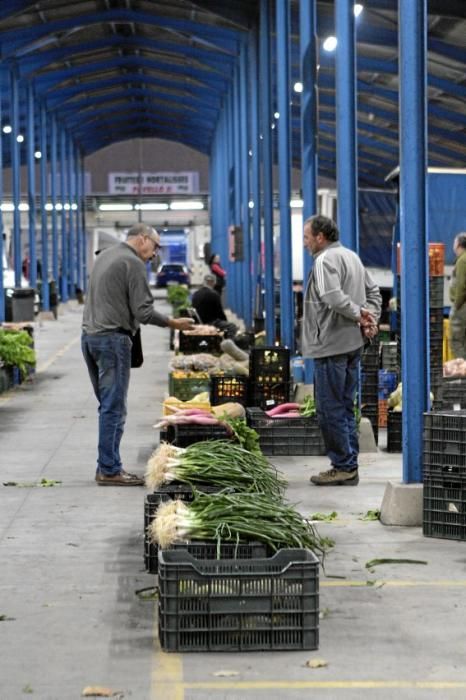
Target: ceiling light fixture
186,206
330,43
115,207
298,87
358,8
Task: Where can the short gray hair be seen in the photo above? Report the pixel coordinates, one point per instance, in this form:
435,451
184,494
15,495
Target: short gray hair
209,279
139,229
460,240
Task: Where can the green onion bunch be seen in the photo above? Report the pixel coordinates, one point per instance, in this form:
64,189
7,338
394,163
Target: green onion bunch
218,462
234,517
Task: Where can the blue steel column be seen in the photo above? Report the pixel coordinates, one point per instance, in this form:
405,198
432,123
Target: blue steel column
2,290
309,131
266,121
245,219
346,145
237,185
256,266
231,288
31,167
75,203
82,218
15,174
43,210
284,172
413,229
53,196
64,249
72,241
223,180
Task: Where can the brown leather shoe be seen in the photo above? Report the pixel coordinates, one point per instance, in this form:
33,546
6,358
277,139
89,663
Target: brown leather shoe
335,477
121,479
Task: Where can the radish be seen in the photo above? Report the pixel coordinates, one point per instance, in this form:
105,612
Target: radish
283,408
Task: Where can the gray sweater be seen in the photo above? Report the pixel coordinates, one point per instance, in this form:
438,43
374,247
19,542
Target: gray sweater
119,295
338,287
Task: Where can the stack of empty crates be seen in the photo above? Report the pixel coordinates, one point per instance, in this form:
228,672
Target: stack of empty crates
370,385
445,475
269,376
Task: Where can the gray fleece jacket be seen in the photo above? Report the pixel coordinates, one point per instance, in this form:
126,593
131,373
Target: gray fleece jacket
119,295
338,287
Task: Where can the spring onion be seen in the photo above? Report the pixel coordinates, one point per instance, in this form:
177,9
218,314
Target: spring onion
216,462
232,517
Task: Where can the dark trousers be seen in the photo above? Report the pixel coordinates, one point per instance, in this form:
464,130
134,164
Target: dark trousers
335,386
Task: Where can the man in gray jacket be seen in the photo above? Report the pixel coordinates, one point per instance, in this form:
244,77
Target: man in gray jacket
341,308
118,300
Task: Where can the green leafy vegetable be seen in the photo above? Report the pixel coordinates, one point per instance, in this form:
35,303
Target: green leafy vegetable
308,407
376,562
324,517
16,350
371,515
247,437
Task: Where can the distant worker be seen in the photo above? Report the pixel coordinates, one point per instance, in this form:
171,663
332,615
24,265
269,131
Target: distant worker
458,298
341,308
219,272
118,300
209,307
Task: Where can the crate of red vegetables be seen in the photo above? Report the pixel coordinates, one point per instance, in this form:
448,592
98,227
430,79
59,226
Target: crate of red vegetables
284,431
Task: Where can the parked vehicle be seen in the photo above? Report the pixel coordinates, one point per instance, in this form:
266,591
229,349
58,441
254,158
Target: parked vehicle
172,272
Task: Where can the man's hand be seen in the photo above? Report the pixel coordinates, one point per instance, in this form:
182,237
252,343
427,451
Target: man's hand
367,319
369,331
181,324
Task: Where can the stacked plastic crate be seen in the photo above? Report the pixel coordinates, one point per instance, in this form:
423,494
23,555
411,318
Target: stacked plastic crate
444,512
370,361
452,395
269,376
388,381
436,284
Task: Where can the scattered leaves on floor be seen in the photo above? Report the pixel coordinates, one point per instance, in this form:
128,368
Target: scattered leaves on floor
48,482
98,691
44,483
151,593
324,613
5,618
316,663
371,515
376,562
27,689
225,674
324,517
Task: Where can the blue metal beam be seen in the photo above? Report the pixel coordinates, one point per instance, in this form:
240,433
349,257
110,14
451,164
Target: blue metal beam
245,211
31,169
43,212
15,174
53,196
256,253
2,231
64,286
72,238
413,231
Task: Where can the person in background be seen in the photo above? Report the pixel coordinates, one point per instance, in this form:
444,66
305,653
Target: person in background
209,307
342,305
118,300
219,272
458,298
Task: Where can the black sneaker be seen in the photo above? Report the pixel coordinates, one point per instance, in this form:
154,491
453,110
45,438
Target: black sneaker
335,477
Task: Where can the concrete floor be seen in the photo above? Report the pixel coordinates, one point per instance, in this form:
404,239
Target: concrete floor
71,561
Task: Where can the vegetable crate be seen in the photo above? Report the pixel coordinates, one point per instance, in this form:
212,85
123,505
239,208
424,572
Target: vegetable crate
190,344
394,434
239,605
436,285
185,435
208,550
388,382
286,436
444,511
370,359
445,444
389,357
269,364
269,394
452,393
225,389
185,388
166,493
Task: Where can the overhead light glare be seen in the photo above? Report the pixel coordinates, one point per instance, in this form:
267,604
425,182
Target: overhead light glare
24,206
7,129
276,115
7,206
251,204
298,87
37,154
49,207
151,206
330,43
296,203
20,138
184,206
358,8
58,206
115,207
74,206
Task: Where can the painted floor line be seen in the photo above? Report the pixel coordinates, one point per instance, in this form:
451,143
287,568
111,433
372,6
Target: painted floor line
342,685
167,671
57,355
379,583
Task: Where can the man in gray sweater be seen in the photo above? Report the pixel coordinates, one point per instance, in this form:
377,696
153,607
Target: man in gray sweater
341,308
118,300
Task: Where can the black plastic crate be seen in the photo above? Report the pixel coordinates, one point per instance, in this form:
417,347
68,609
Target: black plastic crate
186,388
436,285
190,344
389,356
225,389
207,549
452,392
444,512
394,431
239,605
286,436
269,364
267,395
184,435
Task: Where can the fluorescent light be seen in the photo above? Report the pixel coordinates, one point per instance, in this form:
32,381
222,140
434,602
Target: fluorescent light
358,9
186,205
74,206
37,155
330,43
66,206
298,87
7,129
152,206
7,206
24,206
58,206
20,138
251,204
276,115
49,207
116,207
296,204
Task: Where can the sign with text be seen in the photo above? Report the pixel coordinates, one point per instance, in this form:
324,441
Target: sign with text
153,183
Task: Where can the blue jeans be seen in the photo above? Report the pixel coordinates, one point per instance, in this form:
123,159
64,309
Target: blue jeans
335,385
108,360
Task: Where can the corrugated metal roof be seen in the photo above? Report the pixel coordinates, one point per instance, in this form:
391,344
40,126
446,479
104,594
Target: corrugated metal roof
112,70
